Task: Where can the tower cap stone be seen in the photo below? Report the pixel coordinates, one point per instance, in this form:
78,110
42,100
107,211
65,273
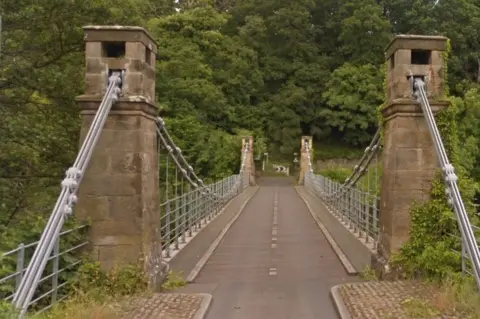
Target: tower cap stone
106,33
416,42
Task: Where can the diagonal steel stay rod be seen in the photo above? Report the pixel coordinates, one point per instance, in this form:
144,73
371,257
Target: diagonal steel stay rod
176,154
67,198
359,170
453,192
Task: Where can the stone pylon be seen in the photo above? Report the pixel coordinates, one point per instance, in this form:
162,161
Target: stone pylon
304,161
409,157
249,163
120,190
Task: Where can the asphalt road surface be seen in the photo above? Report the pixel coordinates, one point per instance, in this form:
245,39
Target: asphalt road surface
274,263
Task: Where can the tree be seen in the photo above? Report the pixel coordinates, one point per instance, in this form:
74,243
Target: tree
364,34
352,95
203,72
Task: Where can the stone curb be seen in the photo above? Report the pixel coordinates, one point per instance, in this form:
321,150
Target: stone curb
201,263
339,303
204,306
349,268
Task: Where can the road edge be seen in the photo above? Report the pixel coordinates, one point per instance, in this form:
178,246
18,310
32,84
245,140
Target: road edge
340,306
202,311
201,263
349,268
175,252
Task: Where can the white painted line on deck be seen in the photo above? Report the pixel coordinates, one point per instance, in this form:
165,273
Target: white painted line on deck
272,271
274,245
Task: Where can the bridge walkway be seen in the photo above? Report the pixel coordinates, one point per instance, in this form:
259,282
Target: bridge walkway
274,263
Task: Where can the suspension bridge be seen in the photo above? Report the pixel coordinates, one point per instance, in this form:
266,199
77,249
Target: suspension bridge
262,247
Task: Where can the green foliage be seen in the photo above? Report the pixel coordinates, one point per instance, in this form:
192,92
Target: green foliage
174,280
7,311
381,120
352,94
468,117
327,151
429,249
368,274
119,281
214,153
337,174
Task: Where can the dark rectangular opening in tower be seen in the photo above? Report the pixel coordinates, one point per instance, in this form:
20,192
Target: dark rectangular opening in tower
421,57
148,56
113,49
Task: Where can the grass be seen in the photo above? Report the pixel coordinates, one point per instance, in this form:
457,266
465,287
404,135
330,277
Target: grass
174,280
336,174
461,296
453,298
96,303
417,308
366,182
368,274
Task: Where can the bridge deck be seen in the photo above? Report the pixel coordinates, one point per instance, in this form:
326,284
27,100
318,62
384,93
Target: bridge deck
259,273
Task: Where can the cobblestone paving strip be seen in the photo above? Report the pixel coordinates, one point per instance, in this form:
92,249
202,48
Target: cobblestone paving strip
393,300
165,306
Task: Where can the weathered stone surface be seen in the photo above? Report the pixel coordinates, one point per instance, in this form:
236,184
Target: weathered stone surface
95,83
120,190
93,49
117,254
400,67
395,300
96,208
419,42
409,158
120,33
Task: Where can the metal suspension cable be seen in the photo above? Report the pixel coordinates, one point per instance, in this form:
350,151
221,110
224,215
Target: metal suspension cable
367,157
175,151
452,190
359,169
161,127
170,150
66,200
372,151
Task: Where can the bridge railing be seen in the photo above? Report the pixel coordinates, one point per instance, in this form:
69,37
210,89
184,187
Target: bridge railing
188,204
56,278
188,212
354,202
